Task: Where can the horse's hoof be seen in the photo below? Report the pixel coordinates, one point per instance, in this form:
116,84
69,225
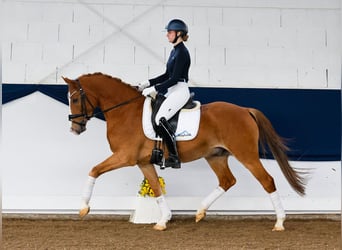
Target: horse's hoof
84,211
200,215
279,225
159,227
278,229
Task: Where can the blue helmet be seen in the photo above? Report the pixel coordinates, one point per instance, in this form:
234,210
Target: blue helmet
177,25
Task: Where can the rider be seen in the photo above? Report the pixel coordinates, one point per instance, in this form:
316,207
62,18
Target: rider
172,84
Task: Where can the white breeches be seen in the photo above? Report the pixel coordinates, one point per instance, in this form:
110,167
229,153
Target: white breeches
176,98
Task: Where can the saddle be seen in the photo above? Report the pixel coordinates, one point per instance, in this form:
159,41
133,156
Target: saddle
185,123
173,121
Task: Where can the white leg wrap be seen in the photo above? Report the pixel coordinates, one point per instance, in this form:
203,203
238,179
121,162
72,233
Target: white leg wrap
87,192
165,210
277,205
211,198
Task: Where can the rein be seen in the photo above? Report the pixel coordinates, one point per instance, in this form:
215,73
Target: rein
84,107
116,106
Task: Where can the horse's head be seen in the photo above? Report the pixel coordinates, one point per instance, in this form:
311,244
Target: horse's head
80,106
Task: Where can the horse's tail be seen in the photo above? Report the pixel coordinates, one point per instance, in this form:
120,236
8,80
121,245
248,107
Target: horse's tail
268,136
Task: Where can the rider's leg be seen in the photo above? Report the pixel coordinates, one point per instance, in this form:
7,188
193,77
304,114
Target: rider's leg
177,96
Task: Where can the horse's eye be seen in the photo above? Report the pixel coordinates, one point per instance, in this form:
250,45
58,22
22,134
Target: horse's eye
74,100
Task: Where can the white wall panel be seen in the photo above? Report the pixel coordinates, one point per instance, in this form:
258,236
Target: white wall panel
58,12
154,70
18,11
148,14
215,16
200,75
97,32
58,53
184,13
14,72
223,36
88,14
251,37
311,38
72,71
289,77
139,33
313,77
240,77
200,16
119,15
89,52
265,18
199,36
282,37
119,54
142,57
204,55
333,41
128,73
74,32
26,52
334,77
14,31
34,71
115,36
237,17
42,32
216,29
6,51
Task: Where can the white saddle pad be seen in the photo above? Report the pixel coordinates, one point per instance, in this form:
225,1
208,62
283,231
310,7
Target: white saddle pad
188,122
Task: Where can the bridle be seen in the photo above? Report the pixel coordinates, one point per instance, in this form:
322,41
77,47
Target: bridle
84,112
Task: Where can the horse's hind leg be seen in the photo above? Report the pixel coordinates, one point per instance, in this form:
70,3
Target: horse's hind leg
219,165
266,180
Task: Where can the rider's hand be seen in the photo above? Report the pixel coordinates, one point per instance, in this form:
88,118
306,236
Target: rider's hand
142,85
149,91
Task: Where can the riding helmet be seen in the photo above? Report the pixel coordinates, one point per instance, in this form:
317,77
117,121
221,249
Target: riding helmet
177,25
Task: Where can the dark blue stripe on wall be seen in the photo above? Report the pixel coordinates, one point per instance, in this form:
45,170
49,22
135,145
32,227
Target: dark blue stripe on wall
311,119
11,92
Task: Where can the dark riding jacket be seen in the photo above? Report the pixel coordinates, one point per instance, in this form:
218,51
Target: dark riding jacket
177,69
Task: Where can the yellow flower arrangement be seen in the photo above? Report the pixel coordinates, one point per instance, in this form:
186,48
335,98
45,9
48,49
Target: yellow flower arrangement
146,190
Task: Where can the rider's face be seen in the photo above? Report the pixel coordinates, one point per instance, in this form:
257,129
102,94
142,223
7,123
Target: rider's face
171,35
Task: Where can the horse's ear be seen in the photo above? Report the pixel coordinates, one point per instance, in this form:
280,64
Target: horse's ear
68,81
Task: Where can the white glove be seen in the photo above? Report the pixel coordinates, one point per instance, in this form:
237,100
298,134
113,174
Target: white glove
142,85
149,91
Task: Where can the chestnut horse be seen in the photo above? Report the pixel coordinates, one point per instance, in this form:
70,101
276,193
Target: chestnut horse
225,129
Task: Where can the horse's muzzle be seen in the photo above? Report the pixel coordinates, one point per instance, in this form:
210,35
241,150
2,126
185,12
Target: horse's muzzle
78,127
77,131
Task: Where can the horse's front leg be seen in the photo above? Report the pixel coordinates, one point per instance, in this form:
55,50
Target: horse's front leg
87,192
115,161
151,175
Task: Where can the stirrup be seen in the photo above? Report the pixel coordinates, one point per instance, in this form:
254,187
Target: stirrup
157,154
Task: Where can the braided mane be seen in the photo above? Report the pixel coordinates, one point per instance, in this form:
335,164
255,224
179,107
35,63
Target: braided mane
104,75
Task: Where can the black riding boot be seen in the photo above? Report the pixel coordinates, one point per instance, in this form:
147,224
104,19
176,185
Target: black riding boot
168,136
